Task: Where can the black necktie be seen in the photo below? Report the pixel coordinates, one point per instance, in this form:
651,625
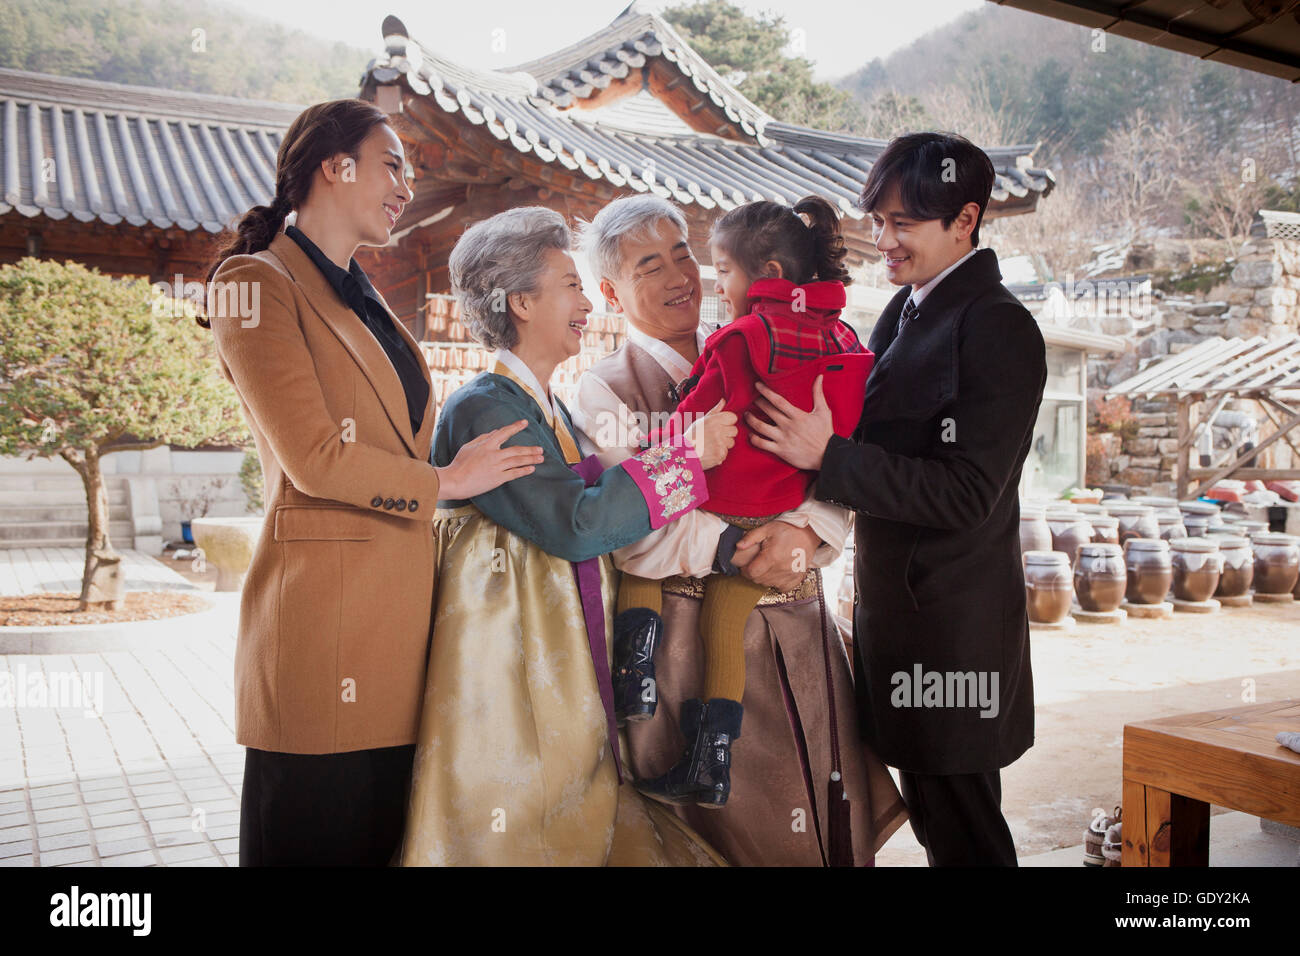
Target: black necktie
910,309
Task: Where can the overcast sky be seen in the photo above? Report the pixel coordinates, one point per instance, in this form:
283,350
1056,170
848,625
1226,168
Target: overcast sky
838,36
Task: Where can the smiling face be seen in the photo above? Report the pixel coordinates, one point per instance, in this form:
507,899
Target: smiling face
659,287
916,250
733,283
551,319
374,201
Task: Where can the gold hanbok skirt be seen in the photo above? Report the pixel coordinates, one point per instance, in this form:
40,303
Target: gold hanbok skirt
512,764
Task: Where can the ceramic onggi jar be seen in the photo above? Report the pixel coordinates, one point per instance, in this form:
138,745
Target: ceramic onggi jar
1035,535
1238,565
1197,567
1100,577
1048,588
1105,529
1069,530
1135,521
1150,570
1277,562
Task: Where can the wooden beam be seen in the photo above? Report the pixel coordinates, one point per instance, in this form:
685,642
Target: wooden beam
1241,460
617,89
1252,474
1184,463
1276,424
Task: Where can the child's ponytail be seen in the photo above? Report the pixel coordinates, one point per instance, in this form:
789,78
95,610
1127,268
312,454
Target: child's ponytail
827,243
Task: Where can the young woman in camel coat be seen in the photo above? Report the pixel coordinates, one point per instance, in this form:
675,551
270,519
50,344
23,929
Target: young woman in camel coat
335,616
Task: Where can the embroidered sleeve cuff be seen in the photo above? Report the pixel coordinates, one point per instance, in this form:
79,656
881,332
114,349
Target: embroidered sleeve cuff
671,481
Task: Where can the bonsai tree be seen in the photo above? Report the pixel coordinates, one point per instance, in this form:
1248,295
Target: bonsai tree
90,365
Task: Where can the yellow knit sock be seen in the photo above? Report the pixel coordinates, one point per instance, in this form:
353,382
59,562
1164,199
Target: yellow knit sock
727,603
639,592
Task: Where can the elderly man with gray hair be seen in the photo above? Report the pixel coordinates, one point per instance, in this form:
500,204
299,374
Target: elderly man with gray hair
805,789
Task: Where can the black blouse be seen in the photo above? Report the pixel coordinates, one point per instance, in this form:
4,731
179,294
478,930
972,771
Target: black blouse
354,288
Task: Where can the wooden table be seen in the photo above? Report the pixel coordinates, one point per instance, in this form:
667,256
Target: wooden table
1175,767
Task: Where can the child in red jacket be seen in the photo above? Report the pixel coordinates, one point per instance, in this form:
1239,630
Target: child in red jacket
781,278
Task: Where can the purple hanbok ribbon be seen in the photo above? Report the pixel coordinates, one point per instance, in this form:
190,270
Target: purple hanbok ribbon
587,574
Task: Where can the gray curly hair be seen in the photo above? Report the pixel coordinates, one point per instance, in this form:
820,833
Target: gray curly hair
497,257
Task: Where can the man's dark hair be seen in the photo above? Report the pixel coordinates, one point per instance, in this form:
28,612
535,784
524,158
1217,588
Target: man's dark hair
936,174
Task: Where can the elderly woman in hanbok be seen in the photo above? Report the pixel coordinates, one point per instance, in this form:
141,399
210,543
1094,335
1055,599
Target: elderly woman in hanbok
517,761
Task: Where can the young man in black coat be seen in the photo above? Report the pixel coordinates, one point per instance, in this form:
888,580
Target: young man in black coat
941,635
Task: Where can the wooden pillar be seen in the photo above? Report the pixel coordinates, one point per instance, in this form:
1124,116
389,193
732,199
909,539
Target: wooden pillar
1183,466
421,287
1163,829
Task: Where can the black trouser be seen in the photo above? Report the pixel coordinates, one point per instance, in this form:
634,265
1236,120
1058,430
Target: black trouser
958,818
345,809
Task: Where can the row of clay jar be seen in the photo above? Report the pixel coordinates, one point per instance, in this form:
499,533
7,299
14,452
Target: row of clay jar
1145,569
1062,526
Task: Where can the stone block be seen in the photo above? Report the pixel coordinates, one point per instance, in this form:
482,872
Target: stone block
1154,344
1275,295
1141,477
1257,273
1276,314
1243,328
1288,254
1109,443
1116,324
1152,405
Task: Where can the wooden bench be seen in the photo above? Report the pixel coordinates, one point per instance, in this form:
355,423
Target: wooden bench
1175,767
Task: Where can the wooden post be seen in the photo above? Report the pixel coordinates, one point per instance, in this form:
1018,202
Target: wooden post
1133,829
1160,828
1184,463
1240,460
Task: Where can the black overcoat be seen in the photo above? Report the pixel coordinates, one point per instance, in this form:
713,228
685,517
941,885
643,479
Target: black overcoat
941,634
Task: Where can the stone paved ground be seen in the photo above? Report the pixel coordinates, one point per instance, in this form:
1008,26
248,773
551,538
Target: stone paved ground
153,780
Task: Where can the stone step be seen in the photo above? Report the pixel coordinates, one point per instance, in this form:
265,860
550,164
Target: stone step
39,482
79,543
41,532
67,495
10,514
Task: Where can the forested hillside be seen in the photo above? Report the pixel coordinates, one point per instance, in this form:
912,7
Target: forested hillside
155,43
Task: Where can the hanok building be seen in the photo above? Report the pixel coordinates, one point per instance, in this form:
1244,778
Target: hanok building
139,181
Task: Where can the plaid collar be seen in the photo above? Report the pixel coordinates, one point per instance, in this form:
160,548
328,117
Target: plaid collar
798,335
822,301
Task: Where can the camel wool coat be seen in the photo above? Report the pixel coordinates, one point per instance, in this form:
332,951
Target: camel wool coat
335,618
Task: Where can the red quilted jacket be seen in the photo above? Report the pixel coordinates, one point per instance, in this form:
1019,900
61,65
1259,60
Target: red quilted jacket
793,335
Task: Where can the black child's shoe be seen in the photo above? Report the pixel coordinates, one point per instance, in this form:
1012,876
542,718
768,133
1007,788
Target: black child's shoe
636,635
703,774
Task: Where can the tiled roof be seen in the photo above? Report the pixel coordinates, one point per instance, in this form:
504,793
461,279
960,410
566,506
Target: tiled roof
588,66
107,151
781,161
110,152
